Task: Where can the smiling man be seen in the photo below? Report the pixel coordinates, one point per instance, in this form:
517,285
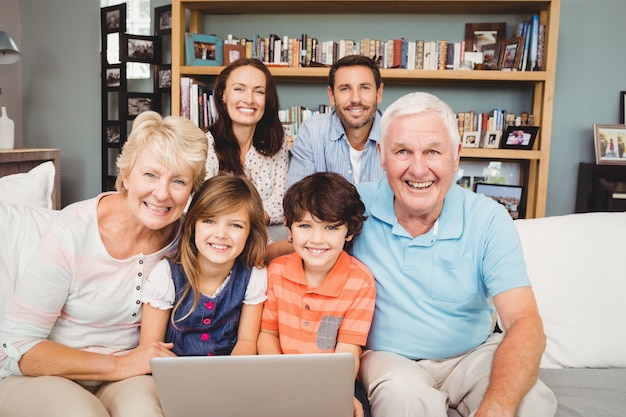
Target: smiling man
445,260
343,141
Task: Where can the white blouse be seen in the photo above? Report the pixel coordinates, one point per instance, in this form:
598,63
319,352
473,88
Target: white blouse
268,173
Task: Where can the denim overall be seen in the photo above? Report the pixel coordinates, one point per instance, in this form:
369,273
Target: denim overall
212,327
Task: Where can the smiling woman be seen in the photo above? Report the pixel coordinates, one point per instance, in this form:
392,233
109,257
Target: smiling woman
83,310
248,137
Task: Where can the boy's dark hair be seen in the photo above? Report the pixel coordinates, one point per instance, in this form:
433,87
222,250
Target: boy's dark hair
329,197
353,61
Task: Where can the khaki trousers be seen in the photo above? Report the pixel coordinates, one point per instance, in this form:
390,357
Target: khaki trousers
400,387
51,396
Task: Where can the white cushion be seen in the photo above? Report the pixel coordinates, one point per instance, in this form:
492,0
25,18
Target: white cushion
577,266
33,188
20,230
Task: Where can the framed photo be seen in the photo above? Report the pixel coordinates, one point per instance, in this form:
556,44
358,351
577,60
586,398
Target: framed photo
139,48
115,133
491,55
479,34
492,139
233,52
519,137
471,139
510,196
115,77
609,143
622,107
163,20
201,49
510,53
137,103
113,18
162,78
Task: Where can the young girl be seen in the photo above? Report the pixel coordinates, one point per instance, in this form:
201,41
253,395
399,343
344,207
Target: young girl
208,299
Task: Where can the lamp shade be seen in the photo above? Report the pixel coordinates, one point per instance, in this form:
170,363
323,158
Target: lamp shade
8,49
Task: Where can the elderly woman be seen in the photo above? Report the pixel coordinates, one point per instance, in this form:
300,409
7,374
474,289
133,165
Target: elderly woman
69,341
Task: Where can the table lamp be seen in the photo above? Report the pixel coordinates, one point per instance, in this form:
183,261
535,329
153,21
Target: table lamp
8,55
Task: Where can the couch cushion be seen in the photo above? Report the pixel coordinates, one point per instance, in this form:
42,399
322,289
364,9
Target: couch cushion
33,188
577,265
20,229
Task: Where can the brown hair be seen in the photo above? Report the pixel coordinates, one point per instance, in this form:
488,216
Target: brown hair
352,61
327,196
268,135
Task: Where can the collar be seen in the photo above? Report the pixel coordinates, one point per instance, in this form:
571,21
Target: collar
449,225
294,272
338,132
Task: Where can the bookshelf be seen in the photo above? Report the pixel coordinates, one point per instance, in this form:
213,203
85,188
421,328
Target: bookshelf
190,15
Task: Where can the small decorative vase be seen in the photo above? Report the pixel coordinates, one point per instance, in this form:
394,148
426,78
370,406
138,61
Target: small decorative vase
7,130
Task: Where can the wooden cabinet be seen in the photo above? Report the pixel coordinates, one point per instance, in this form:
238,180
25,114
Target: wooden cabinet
189,15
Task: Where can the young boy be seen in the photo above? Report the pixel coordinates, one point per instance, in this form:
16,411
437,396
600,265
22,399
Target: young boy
319,299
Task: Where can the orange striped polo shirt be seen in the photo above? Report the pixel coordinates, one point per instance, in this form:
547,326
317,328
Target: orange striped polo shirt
313,320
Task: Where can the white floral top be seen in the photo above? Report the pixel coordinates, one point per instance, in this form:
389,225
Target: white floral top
268,173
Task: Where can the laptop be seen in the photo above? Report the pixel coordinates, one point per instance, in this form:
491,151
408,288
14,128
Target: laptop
302,385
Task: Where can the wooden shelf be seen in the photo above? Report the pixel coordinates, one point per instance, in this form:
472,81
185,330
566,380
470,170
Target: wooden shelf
539,84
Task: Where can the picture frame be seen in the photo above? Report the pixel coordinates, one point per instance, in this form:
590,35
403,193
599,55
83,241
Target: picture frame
202,49
519,137
162,78
491,55
113,18
609,141
471,139
479,34
510,53
140,48
510,196
136,103
115,133
115,77
233,52
491,139
163,20
622,107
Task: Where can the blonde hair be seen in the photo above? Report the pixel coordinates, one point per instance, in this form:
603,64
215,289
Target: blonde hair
174,141
218,195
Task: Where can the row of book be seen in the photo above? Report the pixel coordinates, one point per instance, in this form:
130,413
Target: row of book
198,105
306,50
498,120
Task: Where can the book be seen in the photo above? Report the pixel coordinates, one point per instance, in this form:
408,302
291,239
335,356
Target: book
410,55
442,54
449,64
534,37
541,44
419,54
185,86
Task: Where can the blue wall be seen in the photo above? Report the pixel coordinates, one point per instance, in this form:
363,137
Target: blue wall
61,85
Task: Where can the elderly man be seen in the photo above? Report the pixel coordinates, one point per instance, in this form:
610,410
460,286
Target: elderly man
445,260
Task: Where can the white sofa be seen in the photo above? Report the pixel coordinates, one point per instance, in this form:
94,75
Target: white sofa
577,264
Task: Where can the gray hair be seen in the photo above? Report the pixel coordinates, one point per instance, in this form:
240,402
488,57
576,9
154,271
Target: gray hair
418,103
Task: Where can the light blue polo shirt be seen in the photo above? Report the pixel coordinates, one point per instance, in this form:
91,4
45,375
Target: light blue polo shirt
433,292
